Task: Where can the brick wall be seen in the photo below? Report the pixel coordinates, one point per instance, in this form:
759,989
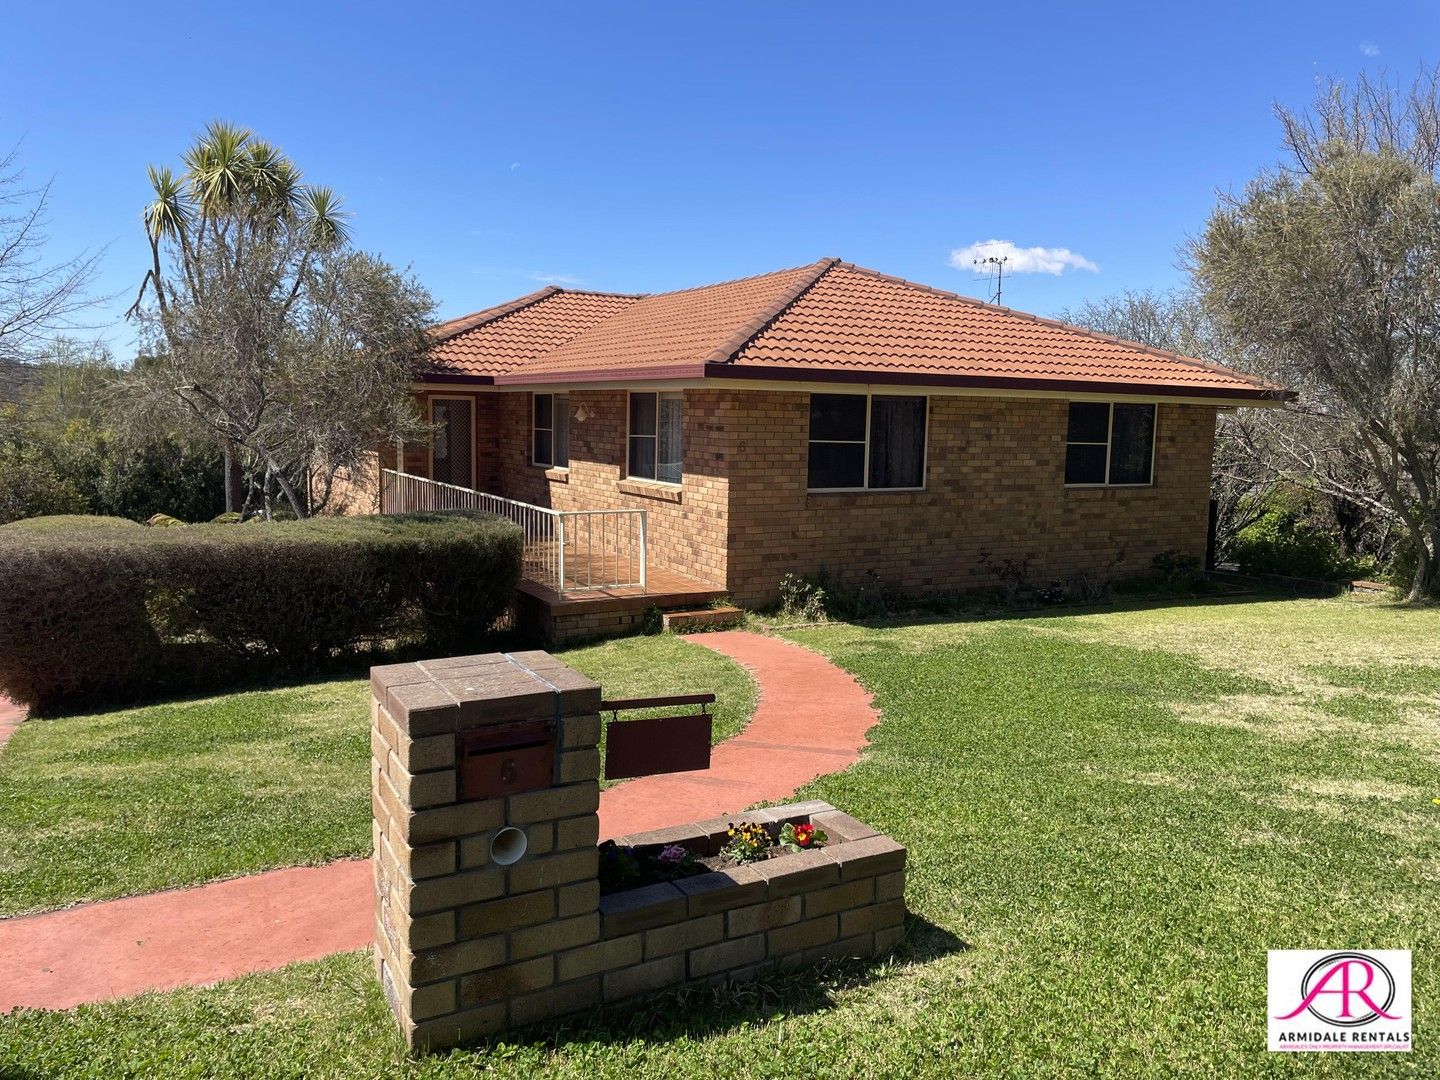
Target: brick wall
686,526
742,518
995,483
469,942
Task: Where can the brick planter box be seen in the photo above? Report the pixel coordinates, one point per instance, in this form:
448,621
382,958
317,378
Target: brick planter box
488,913
843,899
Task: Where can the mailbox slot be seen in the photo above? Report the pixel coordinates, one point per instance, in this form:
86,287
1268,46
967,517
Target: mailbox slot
506,759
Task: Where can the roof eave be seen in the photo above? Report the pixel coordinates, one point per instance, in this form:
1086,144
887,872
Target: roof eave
1247,395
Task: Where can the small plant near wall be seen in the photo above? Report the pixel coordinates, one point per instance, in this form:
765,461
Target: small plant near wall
802,599
803,837
1012,574
748,842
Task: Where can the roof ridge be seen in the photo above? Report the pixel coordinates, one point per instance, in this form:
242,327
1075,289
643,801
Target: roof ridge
454,327
728,348
731,281
1060,324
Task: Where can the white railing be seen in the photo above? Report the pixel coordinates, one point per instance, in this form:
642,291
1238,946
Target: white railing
565,550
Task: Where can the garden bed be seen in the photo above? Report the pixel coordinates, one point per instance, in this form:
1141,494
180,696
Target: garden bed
839,897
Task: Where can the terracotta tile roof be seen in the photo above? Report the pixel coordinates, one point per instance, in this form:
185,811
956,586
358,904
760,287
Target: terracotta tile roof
829,321
505,337
862,321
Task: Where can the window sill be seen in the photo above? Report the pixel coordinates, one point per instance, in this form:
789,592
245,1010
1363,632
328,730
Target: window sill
865,491
650,489
1102,488
556,474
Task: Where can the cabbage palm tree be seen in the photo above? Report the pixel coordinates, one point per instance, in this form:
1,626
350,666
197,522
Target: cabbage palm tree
234,238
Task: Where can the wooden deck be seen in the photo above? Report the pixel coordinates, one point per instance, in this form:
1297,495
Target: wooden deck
667,589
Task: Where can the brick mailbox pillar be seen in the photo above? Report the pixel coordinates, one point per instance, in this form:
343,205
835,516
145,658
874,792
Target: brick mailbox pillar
485,785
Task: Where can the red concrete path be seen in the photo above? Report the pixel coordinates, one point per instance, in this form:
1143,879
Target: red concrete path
811,720
11,717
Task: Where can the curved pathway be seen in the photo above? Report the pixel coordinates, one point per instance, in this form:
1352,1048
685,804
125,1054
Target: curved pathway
810,720
11,717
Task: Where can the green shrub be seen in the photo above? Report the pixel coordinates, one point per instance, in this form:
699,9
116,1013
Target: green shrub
1282,543
116,613
31,485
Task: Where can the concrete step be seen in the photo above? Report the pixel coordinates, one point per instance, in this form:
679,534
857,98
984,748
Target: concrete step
713,618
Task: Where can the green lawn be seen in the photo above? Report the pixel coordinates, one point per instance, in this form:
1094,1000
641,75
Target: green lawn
1110,817
141,799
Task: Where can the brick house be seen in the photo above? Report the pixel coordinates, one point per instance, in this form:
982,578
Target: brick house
823,417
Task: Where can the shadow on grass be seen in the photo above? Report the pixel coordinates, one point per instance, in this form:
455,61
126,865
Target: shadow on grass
924,614
775,993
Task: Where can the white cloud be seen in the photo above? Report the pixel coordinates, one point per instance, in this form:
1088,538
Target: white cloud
554,279
514,165
1018,260
1369,48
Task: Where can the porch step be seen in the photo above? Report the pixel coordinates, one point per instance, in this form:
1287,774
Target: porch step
712,618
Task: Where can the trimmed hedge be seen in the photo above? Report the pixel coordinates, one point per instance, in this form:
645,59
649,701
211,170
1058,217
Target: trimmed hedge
117,612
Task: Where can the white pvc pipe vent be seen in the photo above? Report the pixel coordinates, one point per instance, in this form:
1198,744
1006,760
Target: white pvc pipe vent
508,846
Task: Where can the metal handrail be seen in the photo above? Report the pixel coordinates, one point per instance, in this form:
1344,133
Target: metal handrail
565,550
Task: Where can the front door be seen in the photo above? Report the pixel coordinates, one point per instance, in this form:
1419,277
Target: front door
452,453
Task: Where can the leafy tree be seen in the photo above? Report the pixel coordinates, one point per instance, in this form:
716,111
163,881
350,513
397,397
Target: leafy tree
1327,269
266,332
61,450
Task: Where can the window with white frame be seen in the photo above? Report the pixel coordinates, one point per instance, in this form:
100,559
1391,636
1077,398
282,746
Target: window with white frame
866,442
550,431
1110,444
656,448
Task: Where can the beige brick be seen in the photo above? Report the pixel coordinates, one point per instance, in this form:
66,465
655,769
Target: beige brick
577,766
870,919
446,961
450,822
553,937
725,955
758,918
802,935
501,983
577,832
571,997
689,934
434,999
426,861
600,957
890,886
456,1028
505,914
870,857
552,803
639,909
839,897
455,890
581,898
801,872
730,888
887,939
548,871
581,731
643,978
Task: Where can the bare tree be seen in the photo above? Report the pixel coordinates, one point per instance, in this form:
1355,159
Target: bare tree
1328,269
38,298
265,330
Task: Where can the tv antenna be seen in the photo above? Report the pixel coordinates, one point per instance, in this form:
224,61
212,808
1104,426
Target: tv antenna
997,262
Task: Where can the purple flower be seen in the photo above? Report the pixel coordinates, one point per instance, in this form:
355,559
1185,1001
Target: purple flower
674,853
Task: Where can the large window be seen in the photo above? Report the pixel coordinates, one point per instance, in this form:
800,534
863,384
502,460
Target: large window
550,431
1110,444
656,448
452,446
859,442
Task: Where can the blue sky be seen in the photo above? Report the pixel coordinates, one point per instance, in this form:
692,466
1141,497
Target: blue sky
646,146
